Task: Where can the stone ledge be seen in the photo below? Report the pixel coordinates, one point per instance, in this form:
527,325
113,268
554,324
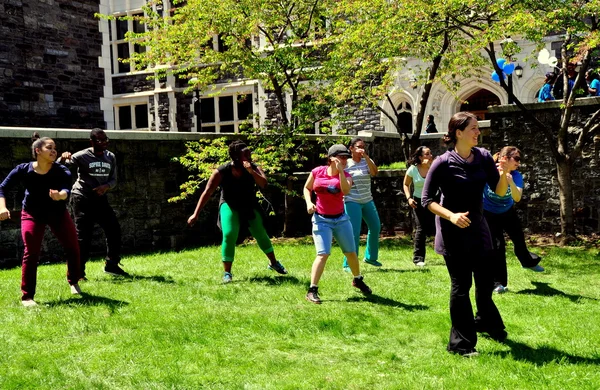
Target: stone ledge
508,108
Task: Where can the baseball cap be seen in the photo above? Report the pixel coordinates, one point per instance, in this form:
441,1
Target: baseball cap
338,150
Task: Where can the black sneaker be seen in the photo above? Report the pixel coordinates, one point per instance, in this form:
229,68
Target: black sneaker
114,269
359,283
278,267
313,295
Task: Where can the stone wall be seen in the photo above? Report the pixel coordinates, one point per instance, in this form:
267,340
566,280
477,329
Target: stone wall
49,74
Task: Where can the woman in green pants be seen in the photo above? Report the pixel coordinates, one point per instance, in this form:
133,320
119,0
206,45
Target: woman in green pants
238,205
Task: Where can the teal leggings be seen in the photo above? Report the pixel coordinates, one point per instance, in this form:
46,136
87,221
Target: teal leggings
230,224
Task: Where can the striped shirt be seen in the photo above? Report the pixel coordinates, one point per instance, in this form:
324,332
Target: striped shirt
360,192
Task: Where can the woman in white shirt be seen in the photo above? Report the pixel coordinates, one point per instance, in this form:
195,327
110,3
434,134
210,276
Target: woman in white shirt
424,220
359,204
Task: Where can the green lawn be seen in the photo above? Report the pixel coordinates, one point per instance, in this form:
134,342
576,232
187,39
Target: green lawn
175,326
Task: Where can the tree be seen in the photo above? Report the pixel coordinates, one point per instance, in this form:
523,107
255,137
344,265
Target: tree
273,43
377,40
578,23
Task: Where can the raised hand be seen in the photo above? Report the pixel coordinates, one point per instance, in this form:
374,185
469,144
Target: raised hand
248,166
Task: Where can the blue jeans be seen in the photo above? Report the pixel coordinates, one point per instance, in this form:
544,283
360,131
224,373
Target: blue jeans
324,229
367,211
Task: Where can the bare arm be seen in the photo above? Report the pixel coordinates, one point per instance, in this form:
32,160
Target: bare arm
307,191
515,192
373,170
259,176
211,186
406,185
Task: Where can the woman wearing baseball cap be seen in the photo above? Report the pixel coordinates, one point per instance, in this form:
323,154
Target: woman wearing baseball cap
330,183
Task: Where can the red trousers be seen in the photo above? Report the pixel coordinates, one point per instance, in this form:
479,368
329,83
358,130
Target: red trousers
32,232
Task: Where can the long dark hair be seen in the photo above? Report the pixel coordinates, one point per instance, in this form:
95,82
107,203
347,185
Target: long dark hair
38,143
459,121
414,158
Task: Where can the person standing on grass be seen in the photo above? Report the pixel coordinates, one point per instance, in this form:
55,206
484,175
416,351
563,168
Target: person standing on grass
462,234
423,219
502,217
238,206
330,183
47,185
359,204
96,175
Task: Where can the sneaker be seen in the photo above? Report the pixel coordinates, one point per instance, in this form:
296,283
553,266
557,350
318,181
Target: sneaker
278,267
227,277
537,268
373,262
313,295
420,264
75,290
83,279
29,303
359,283
499,335
500,289
114,269
467,353
347,269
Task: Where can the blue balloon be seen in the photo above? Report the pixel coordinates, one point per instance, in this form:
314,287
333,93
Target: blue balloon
509,68
495,77
500,62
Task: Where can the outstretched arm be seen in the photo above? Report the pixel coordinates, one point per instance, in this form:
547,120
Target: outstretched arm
211,186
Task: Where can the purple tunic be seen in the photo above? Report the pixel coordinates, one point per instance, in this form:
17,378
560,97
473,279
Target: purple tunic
461,184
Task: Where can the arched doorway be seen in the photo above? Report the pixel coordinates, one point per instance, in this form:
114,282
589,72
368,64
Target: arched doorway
478,103
405,118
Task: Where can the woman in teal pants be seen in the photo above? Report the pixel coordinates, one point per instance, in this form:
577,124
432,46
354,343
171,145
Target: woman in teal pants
359,204
238,205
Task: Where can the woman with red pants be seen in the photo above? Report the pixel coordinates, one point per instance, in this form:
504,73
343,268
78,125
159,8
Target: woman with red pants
47,185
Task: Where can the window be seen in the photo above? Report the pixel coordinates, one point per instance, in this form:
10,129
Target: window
120,48
131,117
225,113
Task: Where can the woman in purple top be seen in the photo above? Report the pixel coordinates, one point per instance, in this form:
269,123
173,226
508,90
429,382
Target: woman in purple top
47,185
462,234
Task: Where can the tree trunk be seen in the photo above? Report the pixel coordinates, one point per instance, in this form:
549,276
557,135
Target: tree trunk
565,187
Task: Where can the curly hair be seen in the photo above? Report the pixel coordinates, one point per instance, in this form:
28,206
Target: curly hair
235,148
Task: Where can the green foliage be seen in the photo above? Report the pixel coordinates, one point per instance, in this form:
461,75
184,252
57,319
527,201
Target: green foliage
394,165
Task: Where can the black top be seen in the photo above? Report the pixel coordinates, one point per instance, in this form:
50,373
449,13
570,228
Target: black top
238,192
461,184
37,201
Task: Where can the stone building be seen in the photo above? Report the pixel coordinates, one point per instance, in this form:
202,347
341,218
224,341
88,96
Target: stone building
49,73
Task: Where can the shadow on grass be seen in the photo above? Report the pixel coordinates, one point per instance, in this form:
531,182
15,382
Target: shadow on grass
277,280
542,355
544,289
403,270
135,278
379,300
88,300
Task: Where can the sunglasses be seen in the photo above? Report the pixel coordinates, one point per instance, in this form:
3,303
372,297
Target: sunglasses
516,158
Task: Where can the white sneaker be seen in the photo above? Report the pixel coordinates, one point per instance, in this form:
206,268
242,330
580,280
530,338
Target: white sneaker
75,290
420,264
29,303
500,289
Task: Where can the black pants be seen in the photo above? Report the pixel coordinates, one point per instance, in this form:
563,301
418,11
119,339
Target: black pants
462,269
508,222
86,213
424,221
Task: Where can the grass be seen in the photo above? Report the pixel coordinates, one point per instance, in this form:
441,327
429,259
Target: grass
394,165
175,326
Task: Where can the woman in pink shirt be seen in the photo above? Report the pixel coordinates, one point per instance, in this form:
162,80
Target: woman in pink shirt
330,183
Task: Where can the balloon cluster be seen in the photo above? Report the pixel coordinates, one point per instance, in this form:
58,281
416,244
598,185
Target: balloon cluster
544,58
507,68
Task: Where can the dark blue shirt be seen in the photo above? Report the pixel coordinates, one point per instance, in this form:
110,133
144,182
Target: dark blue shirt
37,201
461,184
